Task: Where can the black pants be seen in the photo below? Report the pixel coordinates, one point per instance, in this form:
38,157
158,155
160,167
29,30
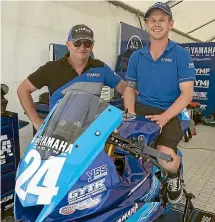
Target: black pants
171,133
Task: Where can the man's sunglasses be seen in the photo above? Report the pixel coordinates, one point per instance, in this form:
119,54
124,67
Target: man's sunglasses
87,43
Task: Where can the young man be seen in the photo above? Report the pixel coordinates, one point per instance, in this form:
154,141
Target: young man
163,74
77,70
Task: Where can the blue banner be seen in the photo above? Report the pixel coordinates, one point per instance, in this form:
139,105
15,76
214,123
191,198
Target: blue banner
132,37
203,55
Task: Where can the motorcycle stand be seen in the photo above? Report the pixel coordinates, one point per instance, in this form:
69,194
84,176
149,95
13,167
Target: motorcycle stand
189,208
186,208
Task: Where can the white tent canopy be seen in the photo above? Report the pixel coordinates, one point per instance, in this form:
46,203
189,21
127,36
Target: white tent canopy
195,18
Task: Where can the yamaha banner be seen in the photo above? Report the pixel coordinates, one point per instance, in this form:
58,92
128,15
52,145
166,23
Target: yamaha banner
203,55
132,37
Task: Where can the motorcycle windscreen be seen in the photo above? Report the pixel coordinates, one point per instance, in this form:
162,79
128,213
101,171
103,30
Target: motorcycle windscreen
70,141
73,116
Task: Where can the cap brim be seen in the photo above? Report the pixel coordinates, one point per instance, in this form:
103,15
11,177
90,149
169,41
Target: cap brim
156,7
76,39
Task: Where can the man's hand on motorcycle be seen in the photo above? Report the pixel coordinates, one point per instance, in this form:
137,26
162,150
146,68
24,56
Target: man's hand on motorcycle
37,124
161,120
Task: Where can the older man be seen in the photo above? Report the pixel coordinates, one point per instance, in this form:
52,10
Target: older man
76,70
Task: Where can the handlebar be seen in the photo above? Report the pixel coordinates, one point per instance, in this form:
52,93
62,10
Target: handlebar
139,150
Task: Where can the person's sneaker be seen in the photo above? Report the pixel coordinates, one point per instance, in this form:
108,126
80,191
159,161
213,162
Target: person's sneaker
174,190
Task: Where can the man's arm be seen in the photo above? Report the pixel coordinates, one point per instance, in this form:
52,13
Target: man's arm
24,93
186,77
120,88
35,81
113,80
180,103
183,100
130,97
131,82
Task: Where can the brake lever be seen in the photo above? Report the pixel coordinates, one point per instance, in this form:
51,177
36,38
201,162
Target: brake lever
136,151
137,148
143,157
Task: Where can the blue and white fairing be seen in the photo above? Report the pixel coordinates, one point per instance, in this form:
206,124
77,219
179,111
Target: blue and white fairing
72,136
65,174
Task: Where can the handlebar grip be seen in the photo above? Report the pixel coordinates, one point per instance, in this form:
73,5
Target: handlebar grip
157,154
165,157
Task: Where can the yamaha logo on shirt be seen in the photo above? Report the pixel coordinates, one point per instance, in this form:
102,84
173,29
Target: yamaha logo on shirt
166,60
191,65
97,75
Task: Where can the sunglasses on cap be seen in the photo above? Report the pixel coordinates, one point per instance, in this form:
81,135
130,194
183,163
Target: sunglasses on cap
86,43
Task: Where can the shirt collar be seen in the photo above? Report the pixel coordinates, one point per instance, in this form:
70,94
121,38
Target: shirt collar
170,45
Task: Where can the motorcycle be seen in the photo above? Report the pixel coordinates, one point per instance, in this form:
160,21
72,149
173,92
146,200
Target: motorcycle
89,164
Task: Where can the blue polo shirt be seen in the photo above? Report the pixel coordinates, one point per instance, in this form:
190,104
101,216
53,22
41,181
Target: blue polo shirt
158,81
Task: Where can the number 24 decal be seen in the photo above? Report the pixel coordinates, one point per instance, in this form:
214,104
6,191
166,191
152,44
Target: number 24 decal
50,170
